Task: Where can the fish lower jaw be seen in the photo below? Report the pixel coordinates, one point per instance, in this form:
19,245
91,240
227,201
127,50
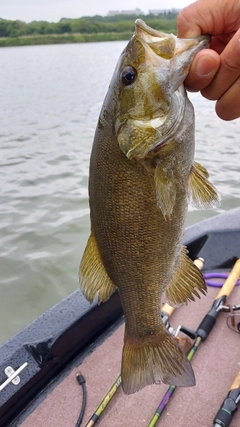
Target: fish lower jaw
153,123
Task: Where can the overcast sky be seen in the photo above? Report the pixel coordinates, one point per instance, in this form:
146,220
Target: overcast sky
54,10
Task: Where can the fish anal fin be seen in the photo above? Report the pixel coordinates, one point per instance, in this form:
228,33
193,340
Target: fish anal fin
154,359
203,193
93,277
187,282
165,189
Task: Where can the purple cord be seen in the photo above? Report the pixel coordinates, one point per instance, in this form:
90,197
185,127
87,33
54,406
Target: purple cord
223,276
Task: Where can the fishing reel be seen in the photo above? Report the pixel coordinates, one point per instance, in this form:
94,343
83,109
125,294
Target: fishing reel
233,320
185,340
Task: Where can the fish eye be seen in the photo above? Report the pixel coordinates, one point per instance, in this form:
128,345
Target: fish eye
129,75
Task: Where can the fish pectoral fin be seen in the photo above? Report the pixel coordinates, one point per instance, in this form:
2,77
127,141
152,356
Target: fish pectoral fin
203,194
152,359
92,274
186,282
165,189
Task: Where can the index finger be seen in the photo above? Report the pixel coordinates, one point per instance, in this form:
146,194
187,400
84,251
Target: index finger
203,17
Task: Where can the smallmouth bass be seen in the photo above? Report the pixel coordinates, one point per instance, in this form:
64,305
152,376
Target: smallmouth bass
142,173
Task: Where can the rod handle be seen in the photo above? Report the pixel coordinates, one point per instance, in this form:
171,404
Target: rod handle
236,382
167,309
199,262
230,281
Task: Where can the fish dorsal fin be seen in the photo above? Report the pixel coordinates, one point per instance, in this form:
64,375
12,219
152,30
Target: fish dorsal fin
186,282
203,193
93,277
165,189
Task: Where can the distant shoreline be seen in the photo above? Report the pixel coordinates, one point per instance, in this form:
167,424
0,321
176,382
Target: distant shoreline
62,39
82,30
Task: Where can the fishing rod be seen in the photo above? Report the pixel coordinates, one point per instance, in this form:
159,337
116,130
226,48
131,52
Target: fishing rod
202,332
229,405
171,388
166,312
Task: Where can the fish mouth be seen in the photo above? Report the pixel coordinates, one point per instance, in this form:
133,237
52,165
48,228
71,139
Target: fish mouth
166,60
155,122
148,34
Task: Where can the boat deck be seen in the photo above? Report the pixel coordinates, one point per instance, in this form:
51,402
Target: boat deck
216,364
74,336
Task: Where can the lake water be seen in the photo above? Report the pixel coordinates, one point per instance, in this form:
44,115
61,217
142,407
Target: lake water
50,101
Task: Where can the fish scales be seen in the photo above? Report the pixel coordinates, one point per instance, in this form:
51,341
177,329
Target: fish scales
128,228
141,161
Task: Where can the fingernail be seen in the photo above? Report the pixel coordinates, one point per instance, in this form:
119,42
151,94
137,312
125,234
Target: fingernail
204,66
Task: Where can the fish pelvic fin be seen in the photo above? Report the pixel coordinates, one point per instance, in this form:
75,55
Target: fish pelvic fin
165,189
154,359
202,193
186,283
93,277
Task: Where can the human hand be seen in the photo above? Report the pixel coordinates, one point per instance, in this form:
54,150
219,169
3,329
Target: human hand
215,71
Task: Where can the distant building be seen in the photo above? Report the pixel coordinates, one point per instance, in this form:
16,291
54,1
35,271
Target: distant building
125,12
161,11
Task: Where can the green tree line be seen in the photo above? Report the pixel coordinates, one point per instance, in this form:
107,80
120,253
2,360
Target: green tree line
82,29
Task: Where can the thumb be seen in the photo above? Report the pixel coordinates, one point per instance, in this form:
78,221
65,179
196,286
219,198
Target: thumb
203,69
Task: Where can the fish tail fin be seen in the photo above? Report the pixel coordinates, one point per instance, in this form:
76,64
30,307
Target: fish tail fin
154,359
